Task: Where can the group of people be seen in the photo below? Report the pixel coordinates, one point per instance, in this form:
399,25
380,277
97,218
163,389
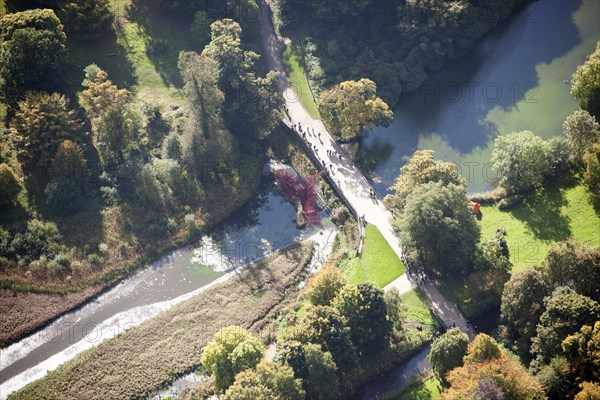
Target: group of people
414,271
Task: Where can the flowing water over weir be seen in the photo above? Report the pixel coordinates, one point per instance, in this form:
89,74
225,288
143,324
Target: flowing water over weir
266,224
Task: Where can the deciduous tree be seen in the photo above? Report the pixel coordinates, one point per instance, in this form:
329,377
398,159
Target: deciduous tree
520,160
352,106
268,381
10,186
324,287
422,168
231,351
439,229
32,53
521,309
582,131
586,84
41,122
447,352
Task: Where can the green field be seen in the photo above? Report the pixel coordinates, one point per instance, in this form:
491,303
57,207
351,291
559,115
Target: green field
429,389
417,308
378,263
292,56
561,210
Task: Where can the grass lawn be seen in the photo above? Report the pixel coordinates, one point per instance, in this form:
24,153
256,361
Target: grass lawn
292,57
417,308
557,212
381,264
429,389
378,264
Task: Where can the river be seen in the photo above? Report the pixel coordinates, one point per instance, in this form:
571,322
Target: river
512,80
264,225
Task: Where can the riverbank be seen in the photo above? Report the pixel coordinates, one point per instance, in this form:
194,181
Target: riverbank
169,345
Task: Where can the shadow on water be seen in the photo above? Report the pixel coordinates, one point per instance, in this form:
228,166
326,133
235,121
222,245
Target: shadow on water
451,107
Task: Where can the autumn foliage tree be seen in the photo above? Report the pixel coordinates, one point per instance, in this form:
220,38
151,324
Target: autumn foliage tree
41,122
491,369
352,106
267,381
324,287
110,112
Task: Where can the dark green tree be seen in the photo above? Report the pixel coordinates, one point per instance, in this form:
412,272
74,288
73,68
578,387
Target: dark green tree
32,53
447,352
10,186
365,311
566,311
438,229
521,309
322,382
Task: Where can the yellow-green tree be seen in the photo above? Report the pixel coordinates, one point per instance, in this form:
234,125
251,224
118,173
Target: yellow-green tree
589,391
269,381
422,168
352,106
322,288
10,186
231,351
583,351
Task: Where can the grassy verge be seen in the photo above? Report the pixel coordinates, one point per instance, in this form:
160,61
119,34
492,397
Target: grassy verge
378,263
417,308
158,350
292,57
561,210
419,389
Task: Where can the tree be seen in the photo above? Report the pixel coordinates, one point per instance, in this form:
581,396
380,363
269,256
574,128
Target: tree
483,348
231,351
41,122
269,381
324,287
85,19
439,229
589,391
509,378
586,84
292,353
521,309
583,352
10,186
200,30
69,162
557,379
322,382
32,53
520,160
325,326
568,263
566,311
250,99
422,168
447,352
592,170
365,311
109,110
352,106
582,132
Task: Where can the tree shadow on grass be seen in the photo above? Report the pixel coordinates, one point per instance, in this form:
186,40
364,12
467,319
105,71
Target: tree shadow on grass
541,211
166,34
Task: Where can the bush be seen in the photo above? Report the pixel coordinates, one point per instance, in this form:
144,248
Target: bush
510,202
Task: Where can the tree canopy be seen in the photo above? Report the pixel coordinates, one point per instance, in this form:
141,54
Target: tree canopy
268,381
32,53
437,226
520,160
586,84
581,131
231,351
352,106
447,352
